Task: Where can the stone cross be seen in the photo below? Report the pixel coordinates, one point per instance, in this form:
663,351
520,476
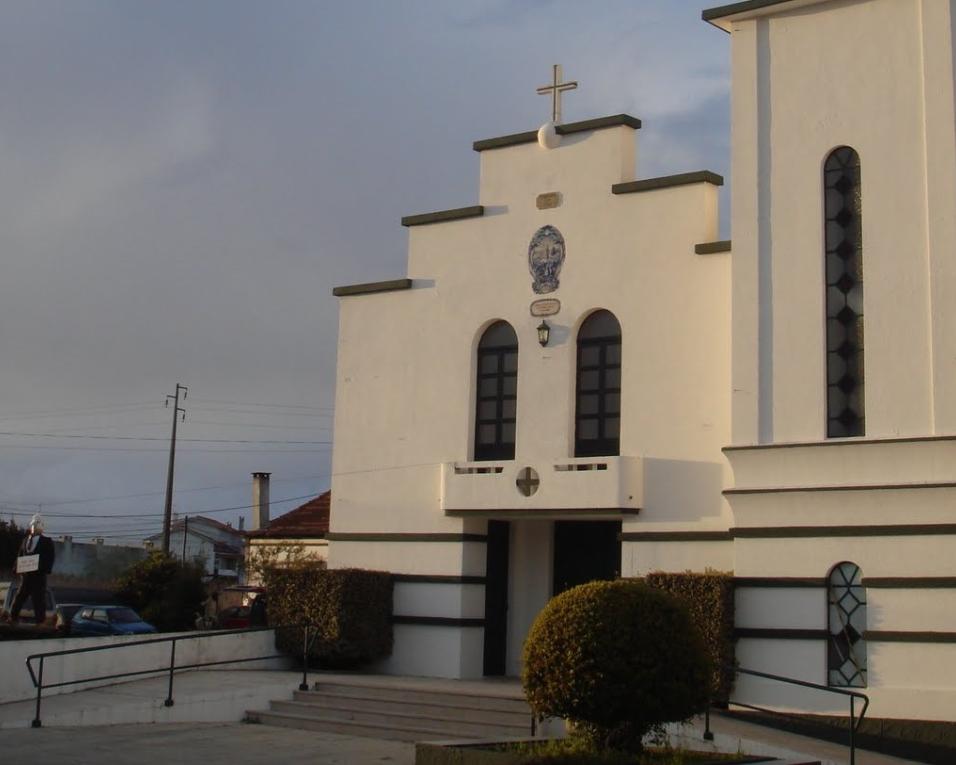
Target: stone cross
556,88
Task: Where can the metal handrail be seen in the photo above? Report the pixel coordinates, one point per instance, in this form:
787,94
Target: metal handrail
37,677
853,695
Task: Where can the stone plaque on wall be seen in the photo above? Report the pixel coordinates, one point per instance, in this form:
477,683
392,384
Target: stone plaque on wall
549,200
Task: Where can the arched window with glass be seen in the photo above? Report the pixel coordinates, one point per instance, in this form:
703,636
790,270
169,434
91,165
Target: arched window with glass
844,293
846,625
497,393
597,426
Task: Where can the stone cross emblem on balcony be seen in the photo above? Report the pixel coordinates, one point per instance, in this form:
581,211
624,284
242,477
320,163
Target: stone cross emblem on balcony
528,481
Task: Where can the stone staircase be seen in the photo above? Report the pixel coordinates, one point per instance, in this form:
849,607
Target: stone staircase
404,709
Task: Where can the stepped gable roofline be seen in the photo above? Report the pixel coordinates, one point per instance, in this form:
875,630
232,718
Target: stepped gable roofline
308,521
722,15
615,120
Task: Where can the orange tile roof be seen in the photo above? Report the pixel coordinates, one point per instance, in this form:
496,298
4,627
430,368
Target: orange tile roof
308,521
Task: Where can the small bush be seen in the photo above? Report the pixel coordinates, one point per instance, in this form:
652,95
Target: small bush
616,659
351,608
164,591
709,598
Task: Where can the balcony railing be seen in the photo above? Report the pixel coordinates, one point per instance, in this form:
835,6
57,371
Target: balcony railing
582,485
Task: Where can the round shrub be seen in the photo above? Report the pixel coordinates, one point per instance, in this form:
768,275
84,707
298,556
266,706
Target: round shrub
616,659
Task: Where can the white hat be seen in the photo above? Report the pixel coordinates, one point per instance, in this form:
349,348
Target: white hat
36,522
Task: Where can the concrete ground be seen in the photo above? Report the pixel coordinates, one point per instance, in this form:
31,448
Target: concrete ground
129,724
195,744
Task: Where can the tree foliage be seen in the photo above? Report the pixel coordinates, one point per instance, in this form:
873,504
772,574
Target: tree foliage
617,659
165,591
11,536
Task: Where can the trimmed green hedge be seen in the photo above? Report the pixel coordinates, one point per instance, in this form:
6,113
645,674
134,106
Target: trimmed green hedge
351,608
616,659
710,599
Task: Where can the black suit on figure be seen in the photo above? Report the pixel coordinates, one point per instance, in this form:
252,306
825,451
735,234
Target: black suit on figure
33,583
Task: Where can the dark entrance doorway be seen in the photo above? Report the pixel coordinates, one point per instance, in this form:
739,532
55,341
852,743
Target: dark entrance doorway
496,598
585,551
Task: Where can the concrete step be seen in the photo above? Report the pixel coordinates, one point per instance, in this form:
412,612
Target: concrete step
448,725
407,711
466,708
504,702
387,732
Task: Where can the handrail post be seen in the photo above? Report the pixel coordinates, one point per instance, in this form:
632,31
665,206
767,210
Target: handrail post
36,719
708,733
304,685
172,666
852,733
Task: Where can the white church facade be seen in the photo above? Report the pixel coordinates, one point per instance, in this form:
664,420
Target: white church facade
577,379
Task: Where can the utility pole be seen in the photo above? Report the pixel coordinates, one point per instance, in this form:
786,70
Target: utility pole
168,513
185,534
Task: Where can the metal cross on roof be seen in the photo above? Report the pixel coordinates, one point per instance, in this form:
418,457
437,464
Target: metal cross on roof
556,88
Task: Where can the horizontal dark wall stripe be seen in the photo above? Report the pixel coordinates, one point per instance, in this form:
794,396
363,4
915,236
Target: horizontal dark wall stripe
855,487
910,582
796,532
438,621
436,579
780,581
443,216
531,136
370,537
712,248
549,511
369,288
889,636
668,181
780,634
839,442
676,536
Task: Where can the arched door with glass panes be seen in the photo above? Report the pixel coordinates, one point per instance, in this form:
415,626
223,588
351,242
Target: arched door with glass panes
497,393
597,422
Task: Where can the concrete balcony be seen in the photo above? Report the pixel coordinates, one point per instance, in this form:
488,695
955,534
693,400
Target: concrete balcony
585,487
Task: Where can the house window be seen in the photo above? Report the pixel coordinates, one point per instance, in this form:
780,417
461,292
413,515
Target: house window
846,624
844,293
597,425
497,393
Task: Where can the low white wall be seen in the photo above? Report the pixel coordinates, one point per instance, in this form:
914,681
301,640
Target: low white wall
17,685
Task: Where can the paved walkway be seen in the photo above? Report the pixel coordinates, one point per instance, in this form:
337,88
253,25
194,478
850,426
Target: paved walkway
106,725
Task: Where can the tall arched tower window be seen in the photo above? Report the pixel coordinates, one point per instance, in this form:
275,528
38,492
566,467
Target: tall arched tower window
597,427
497,393
846,624
844,296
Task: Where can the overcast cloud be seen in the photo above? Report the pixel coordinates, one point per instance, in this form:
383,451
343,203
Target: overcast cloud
182,183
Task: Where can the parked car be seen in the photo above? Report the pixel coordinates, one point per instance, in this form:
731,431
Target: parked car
109,620
64,616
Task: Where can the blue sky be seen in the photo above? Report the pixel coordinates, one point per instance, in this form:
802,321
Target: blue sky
182,183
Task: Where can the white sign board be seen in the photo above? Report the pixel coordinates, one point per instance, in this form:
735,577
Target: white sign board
27,563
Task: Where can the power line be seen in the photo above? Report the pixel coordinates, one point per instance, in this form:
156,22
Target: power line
101,516
324,444
252,403
158,438
154,493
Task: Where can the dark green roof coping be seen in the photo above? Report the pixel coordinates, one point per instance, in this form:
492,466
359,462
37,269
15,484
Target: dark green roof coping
668,181
711,248
475,211
370,287
598,123
709,14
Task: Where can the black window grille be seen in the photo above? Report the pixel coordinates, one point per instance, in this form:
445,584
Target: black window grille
844,293
846,624
497,393
597,426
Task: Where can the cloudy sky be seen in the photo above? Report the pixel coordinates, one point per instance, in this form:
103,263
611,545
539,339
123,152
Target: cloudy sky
182,183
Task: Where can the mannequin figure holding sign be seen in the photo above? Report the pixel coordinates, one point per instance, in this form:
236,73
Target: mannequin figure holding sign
35,561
